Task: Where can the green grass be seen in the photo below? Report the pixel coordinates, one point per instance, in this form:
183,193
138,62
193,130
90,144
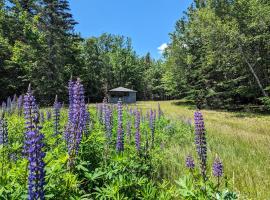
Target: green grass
242,140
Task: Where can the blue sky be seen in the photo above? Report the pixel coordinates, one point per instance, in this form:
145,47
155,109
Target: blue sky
146,22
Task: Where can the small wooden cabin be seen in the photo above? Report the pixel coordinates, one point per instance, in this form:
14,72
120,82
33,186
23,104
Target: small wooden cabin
126,95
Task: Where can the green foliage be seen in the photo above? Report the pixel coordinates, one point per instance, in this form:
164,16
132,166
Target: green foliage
219,52
100,172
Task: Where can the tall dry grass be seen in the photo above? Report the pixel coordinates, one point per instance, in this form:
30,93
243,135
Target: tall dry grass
242,140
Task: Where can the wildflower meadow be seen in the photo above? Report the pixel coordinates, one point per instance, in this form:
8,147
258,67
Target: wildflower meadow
101,151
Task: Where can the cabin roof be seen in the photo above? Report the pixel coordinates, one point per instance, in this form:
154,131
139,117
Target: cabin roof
121,89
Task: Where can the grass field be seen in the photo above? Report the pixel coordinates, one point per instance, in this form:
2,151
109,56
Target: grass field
242,140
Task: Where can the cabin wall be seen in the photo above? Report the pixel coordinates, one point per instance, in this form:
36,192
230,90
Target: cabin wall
131,98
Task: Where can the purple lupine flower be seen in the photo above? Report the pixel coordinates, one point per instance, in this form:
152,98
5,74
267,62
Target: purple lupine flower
77,120
160,112
3,108
104,107
137,134
56,111
48,115
8,107
14,103
190,162
120,134
217,167
20,104
108,123
152,121
41,117
3,132
128,130
99,112
33,148
87,123
4,105
200,141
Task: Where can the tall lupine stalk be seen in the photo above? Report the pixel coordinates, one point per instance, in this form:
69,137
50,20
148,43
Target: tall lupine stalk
3,142
87,122
20,105
3,131
77,120
56,115
33,148
3,107
120,133
14,103
48,115
104,108
99,112
8,107
41,117
108,123
160,112
152,121
190,163
200,142
137,134
217,169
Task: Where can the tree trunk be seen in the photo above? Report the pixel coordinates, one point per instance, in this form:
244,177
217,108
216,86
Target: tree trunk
253,72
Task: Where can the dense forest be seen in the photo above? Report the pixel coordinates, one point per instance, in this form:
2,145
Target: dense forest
218,55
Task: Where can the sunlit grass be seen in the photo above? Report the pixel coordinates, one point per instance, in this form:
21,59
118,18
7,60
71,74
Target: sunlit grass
242,140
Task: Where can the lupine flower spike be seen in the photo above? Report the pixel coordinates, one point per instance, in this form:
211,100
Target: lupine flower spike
190,162
77,120
108,124
20,104
200,141
56,109
137,134
3,131
33,148
217,168
48,115
120,134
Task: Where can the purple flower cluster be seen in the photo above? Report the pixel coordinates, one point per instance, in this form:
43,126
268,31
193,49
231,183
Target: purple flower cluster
217,167
77,119
9,105
41,117
190,162
88,123
33,148
108,122
104,109
56,112
48,115
99,112
3,132
120,134
160,112
137,134
20,104
200,141
152,121
3,107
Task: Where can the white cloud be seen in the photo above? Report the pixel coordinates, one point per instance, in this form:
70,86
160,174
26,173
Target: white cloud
162,48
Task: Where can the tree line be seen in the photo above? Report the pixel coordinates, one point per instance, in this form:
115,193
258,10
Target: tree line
218,55
40,46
